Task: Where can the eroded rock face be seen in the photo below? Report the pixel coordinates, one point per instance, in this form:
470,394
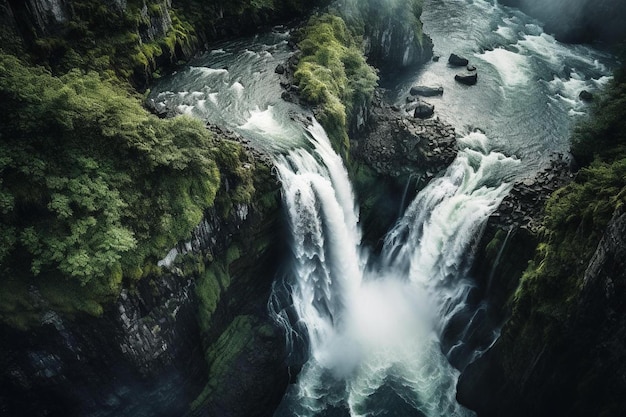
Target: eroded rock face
393,39
585,373
141,354
577,370
149,353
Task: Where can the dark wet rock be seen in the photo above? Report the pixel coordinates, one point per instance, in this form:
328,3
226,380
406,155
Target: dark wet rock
280,69
423,110
396,144
425,91
467,78
471,68
585,96
581,358
457,61
523,206
436,58
285,95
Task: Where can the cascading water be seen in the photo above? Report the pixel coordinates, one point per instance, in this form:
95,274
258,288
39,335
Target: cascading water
374,332
367,330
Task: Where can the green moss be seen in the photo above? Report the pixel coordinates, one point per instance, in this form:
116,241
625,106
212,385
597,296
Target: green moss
576,218
221,355
332,74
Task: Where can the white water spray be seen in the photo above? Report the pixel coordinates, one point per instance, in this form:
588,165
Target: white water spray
374,333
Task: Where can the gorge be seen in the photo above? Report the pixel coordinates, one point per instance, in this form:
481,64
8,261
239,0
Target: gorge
315,281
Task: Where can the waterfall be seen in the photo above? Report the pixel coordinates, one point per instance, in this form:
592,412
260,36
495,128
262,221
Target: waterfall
373,333
325,238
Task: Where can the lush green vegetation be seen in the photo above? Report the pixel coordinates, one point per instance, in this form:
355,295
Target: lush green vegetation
102,38
93,188
332,73
135,43
576,217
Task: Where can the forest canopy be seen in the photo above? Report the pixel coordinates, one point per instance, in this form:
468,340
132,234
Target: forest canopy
92,186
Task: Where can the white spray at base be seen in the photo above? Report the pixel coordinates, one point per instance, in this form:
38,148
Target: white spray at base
373,333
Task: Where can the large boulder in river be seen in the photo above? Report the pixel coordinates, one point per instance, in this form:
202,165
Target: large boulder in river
467,78
423,110
585,96
424,91
457,61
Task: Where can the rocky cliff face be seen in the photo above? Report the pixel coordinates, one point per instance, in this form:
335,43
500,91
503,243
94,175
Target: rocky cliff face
578,20
156,349
393,37
550,360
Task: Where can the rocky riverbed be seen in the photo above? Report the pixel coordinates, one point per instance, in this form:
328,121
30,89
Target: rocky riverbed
523,207
394,143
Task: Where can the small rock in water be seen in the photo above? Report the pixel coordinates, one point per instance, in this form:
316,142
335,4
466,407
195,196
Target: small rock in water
467,78
471,68
280,69
436,58
421,90
457,61
585,96
423,110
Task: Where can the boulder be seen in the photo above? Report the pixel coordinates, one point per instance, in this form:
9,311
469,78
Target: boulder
585,96
424,91
423,110
457,61
280,69
467,78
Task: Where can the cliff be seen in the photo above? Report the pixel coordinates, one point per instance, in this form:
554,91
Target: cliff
95,191
134,39
561,351
579,20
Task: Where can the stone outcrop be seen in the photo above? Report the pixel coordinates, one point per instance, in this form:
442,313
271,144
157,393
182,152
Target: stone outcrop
425,91
393,38
467,77
455,60
579,372
422,110
549,360
395,144
144,344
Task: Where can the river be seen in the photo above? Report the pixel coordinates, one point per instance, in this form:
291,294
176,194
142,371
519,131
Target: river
368,330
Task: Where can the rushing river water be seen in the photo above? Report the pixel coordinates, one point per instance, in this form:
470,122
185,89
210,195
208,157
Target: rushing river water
368,330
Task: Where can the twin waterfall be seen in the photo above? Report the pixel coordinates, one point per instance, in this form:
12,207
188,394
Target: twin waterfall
365,330
369,328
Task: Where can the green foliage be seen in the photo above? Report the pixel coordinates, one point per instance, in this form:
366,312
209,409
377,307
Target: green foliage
576,218
99,37
333,74
209,288
603,135
221,355
94,187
